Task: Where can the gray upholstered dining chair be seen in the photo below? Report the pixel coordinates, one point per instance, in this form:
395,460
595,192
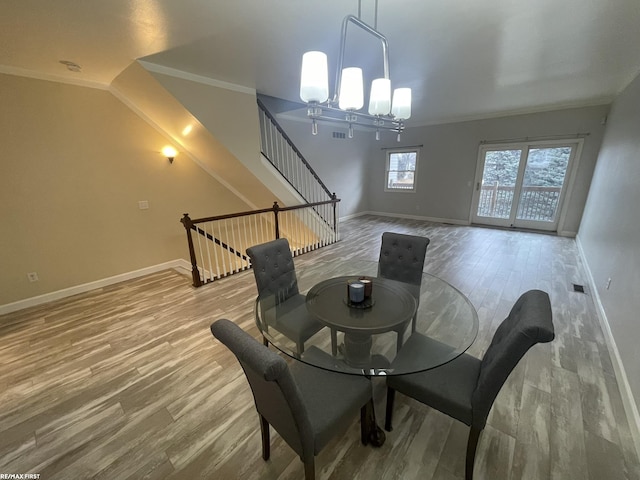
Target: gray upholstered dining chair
275,274
402,259
466,387
307,406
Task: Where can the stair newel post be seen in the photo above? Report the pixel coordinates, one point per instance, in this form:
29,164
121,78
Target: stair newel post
276,209
195,273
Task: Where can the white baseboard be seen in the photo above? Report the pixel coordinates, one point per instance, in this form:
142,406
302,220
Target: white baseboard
409,217
628,400
567,233
180,264
353,215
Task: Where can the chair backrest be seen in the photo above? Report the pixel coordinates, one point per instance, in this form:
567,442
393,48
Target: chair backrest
276,395
273,269
402,257
528,323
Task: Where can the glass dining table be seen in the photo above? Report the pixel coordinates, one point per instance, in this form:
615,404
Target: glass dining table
431,322
434,321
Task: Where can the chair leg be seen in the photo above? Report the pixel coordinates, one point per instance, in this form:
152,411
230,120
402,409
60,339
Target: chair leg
334,342
391,395
400,340
371,433
472,444
266,444
364,431
310,469
265,342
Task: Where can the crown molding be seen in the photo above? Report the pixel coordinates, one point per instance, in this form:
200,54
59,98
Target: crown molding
173,72
607,100
50,77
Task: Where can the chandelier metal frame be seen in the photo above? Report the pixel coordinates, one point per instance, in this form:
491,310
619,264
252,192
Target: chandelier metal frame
329,112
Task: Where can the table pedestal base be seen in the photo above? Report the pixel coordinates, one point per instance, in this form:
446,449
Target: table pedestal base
357,349
357,353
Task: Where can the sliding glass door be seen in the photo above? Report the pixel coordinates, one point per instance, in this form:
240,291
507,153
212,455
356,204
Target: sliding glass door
522,185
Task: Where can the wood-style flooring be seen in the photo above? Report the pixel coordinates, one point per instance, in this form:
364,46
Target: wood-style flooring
126,382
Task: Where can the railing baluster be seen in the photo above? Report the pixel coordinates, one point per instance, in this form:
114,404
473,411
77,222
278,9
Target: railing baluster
236,245
308,220
200,270
299,234
215,250
253,231
263,145
208,253
229,254
245,265
222,254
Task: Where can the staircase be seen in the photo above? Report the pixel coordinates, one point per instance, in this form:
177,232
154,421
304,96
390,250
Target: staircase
217,245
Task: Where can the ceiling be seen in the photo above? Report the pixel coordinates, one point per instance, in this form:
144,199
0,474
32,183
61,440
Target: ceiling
463,58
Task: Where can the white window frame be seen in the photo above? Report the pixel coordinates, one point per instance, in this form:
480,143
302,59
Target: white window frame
387,162
567,189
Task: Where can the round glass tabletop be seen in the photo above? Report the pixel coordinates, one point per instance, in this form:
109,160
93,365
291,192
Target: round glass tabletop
310,317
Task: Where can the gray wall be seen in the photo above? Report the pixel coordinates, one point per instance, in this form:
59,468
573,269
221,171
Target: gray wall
610,231
342,164
355,168
448,159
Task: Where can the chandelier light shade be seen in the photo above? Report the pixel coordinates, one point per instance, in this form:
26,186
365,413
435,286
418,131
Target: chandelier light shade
314,84
348,96
401,108
351,96
380,100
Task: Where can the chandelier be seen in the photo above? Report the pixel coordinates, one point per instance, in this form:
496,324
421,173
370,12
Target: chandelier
384,113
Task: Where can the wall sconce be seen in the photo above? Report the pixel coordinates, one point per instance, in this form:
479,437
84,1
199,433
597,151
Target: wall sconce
169,152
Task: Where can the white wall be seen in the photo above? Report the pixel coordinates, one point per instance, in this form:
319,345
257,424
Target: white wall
610,230
447,163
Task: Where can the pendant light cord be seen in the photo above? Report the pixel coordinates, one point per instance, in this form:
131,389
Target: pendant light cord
375,17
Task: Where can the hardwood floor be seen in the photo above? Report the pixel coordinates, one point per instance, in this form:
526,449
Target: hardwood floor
126,382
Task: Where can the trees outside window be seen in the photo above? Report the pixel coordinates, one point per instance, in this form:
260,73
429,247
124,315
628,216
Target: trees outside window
524,182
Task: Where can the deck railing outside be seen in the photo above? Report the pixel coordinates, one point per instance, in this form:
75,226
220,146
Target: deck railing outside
536,203
218,245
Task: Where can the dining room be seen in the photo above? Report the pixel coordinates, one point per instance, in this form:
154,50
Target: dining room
126,381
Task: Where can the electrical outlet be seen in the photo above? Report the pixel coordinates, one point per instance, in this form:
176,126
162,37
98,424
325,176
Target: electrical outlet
33,276
143,204
608,283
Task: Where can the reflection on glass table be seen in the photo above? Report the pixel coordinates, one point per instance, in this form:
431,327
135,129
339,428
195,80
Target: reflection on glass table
364,338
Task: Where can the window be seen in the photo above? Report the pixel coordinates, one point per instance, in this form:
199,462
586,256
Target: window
401,170
523,184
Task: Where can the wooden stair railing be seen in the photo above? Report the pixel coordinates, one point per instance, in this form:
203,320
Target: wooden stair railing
279,150
217,245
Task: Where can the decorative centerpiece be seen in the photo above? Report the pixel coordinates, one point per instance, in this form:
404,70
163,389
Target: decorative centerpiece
368,286
359,293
